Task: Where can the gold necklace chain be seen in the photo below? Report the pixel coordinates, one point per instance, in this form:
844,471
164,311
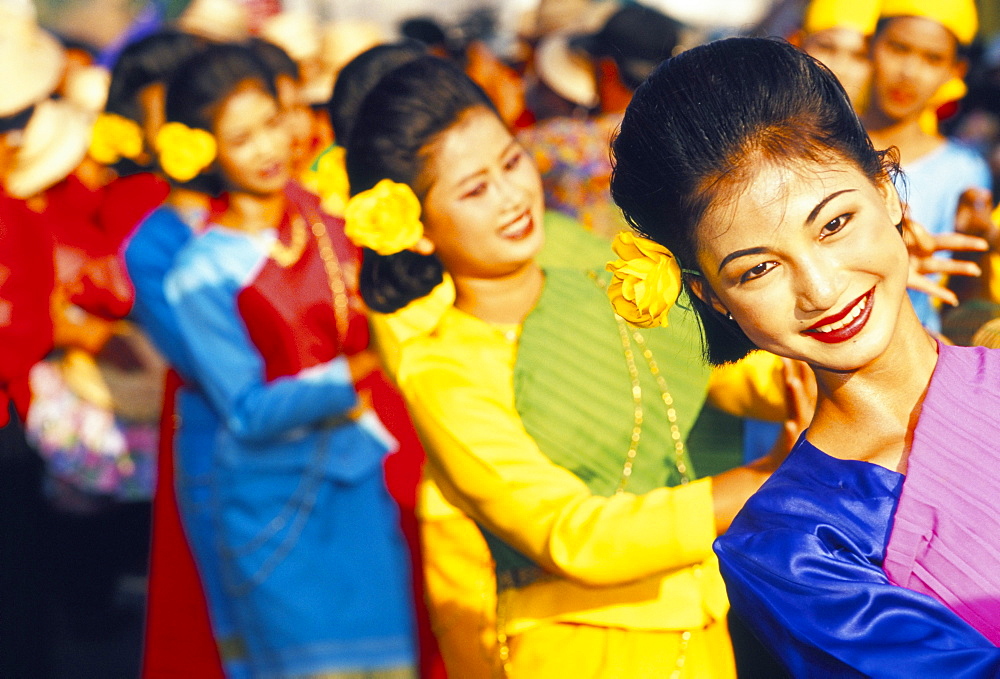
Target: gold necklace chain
287,255
335,275
637,409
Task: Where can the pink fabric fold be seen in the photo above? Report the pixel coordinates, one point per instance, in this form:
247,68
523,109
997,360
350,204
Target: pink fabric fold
945,539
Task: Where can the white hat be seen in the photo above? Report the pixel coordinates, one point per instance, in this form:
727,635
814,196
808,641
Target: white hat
342,40
297,33
55,142
566,72
217,20
87,86
31,60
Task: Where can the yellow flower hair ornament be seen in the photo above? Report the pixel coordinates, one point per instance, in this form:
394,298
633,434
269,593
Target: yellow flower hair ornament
184,151
329,181
114,137
646,280
385,218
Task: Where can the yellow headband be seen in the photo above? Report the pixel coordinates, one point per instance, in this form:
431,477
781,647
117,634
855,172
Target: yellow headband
860,15
958,16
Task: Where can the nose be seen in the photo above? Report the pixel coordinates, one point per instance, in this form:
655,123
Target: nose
818,282
510,190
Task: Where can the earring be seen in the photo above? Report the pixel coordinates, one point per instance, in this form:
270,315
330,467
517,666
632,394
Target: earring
729,317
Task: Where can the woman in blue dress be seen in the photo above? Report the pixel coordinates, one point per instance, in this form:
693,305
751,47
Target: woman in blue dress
872,550
295,516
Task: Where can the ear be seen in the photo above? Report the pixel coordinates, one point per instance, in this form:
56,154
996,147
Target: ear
424,246
703,291
890,197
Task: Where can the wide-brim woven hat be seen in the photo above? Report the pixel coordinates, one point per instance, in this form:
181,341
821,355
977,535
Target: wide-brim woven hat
55,142
31,60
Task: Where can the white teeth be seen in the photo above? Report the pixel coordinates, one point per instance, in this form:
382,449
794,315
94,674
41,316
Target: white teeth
846,320
517,228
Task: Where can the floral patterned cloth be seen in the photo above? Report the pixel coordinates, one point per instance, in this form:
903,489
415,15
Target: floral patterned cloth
574,159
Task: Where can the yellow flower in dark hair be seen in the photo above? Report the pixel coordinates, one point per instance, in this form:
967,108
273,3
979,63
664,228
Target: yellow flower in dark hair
646,280
329,181
184,151
114,137
385,218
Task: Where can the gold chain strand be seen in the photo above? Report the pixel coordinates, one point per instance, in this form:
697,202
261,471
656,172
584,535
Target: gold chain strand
286,255
633,372
668,401
335,276
665,395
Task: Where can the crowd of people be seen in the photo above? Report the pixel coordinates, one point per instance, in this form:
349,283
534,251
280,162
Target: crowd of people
427,358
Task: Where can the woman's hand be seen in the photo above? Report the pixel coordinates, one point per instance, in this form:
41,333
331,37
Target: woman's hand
922,245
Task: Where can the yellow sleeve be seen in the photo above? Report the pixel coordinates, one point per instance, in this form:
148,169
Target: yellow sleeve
991,276
486,464
753,387
391,331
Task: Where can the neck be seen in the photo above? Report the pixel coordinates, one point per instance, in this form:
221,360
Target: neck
869,414
253,213
905,134
505,299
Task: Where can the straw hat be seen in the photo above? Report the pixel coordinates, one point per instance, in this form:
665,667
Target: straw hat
31,60
55,142
342,40
565,71
87,86
217,20
297,33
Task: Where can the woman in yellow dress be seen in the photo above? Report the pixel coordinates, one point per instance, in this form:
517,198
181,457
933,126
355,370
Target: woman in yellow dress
548,420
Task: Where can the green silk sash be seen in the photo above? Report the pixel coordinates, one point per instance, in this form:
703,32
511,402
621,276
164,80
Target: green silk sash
573,392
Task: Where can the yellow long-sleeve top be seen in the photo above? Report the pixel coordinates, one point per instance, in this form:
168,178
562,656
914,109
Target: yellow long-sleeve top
640,562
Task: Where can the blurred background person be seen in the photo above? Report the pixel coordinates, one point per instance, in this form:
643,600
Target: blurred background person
297,485
918,48
837,32
595,74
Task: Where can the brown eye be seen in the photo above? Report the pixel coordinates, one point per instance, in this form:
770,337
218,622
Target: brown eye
835,225
757,271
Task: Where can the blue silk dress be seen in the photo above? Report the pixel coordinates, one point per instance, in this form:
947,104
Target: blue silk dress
803,567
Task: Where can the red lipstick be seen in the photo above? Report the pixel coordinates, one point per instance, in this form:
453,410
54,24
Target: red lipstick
851,328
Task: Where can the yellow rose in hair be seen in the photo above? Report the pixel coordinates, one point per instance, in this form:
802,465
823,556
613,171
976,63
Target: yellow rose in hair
329,180
385,218
114,137
183,151
646,280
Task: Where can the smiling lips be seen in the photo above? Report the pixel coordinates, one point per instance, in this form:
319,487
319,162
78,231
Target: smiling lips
844,325
519,228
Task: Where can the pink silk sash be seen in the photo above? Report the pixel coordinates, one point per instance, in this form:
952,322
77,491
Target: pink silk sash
945,539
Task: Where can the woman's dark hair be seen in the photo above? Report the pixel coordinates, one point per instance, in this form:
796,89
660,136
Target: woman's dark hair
694,126
202,83
274,57
359,76
401,116
144,62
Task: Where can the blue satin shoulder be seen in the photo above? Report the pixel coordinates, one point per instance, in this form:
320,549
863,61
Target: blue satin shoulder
803,567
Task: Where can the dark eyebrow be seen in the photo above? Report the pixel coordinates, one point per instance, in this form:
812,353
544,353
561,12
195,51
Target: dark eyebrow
819,206
740,253
761,250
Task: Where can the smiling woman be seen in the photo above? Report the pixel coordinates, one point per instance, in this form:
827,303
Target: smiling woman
558,428
280,478
856,557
